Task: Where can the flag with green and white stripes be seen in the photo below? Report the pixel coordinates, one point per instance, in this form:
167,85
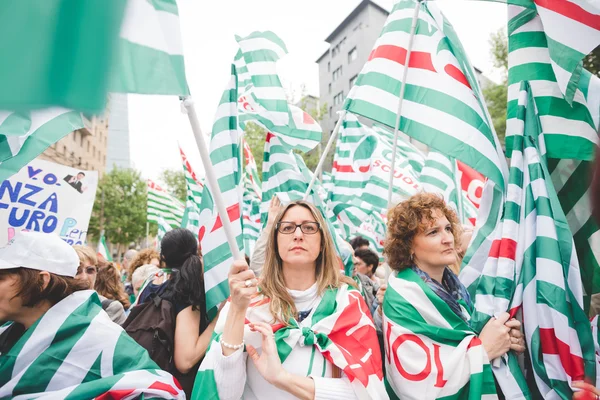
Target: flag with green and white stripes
26,135
557,330
449,360
570,129
262,98
150,50
161,204
191,216
74,351
103,249
251,218
225,157
443,106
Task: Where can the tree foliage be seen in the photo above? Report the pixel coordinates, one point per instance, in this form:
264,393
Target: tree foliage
120,207
592,62
174,181
496,94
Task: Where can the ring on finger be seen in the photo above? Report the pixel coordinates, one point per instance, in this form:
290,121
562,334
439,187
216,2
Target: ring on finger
249,282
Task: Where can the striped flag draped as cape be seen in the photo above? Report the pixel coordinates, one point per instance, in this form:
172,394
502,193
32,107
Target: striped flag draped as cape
26,135
549,290
340,328
443,106
225,157
162,205
444,360
74,351
150,50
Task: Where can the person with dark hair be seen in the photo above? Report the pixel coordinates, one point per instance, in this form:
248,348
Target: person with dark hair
76,181
359,242
185,290
56,338
366,263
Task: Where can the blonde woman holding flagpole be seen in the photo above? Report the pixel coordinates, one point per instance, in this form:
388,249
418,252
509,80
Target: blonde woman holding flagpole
306,333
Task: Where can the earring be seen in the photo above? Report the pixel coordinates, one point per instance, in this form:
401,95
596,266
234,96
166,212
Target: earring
412,257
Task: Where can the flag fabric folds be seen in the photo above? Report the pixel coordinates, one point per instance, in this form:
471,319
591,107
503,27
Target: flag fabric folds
74,351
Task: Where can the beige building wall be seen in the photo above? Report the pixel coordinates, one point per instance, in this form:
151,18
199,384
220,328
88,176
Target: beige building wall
84,148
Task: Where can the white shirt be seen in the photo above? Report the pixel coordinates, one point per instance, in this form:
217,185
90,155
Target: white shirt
237,377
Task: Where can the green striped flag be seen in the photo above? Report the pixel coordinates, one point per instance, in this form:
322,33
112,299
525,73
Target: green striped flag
340,331
225,157
57,53
103,249
444,360
556,326
443,106
570,129
150,50
26,135
191,216
74,351
440,175
262,98
251,217
162,205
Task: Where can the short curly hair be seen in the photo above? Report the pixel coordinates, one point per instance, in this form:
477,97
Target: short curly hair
144,256
409,218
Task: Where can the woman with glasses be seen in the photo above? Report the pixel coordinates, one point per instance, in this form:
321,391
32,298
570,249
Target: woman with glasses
303,331
88,271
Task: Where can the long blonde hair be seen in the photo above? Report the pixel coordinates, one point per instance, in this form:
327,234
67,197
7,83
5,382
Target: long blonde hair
327,270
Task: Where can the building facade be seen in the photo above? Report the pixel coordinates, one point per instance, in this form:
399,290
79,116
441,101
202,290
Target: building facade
349,47
84,148
118,151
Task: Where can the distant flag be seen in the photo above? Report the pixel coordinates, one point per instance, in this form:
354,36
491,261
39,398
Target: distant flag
191,216
163,205
103,249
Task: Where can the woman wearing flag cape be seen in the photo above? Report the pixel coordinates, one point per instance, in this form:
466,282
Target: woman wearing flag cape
59,343
431,350
307,333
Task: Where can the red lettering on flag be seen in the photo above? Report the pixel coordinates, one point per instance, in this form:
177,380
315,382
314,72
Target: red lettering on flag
457,75
342,168
307,119
418,59
571,363
571,10
115,394
503,248
164,387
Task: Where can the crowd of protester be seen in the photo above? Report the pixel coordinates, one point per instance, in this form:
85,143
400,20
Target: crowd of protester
277,336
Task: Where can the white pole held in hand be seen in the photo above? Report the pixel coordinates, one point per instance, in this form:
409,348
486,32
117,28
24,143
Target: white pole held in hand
325,152
413,29
211,179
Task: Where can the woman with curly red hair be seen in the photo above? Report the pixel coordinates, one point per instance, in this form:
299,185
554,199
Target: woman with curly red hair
431,350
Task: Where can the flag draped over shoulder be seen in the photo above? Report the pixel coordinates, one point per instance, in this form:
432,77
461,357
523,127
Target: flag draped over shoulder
556,327
443,106
57,53
225,157
442,357
26,135
162,205
340,328
74,351
150,50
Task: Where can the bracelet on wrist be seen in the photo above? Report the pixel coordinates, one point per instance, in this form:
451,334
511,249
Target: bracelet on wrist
231,346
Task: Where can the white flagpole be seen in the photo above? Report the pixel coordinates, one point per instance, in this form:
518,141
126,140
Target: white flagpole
413,29
211,179
325,152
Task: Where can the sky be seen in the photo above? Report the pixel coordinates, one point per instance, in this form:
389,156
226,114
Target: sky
208,29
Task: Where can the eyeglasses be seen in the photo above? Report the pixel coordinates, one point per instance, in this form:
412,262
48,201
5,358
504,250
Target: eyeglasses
288,228
89,269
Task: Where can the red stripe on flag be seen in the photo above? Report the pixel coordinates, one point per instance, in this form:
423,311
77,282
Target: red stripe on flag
164,387
418,59
503,248
115,394
474,342
342,168
307,119
457,74
572,11
232,211
572,364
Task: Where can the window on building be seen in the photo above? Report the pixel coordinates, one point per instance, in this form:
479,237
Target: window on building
353,80
94,151
81,139
65,150
338,98
75,136
330,111
337,73
352,55
330,88
328,66
334,51
358,26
